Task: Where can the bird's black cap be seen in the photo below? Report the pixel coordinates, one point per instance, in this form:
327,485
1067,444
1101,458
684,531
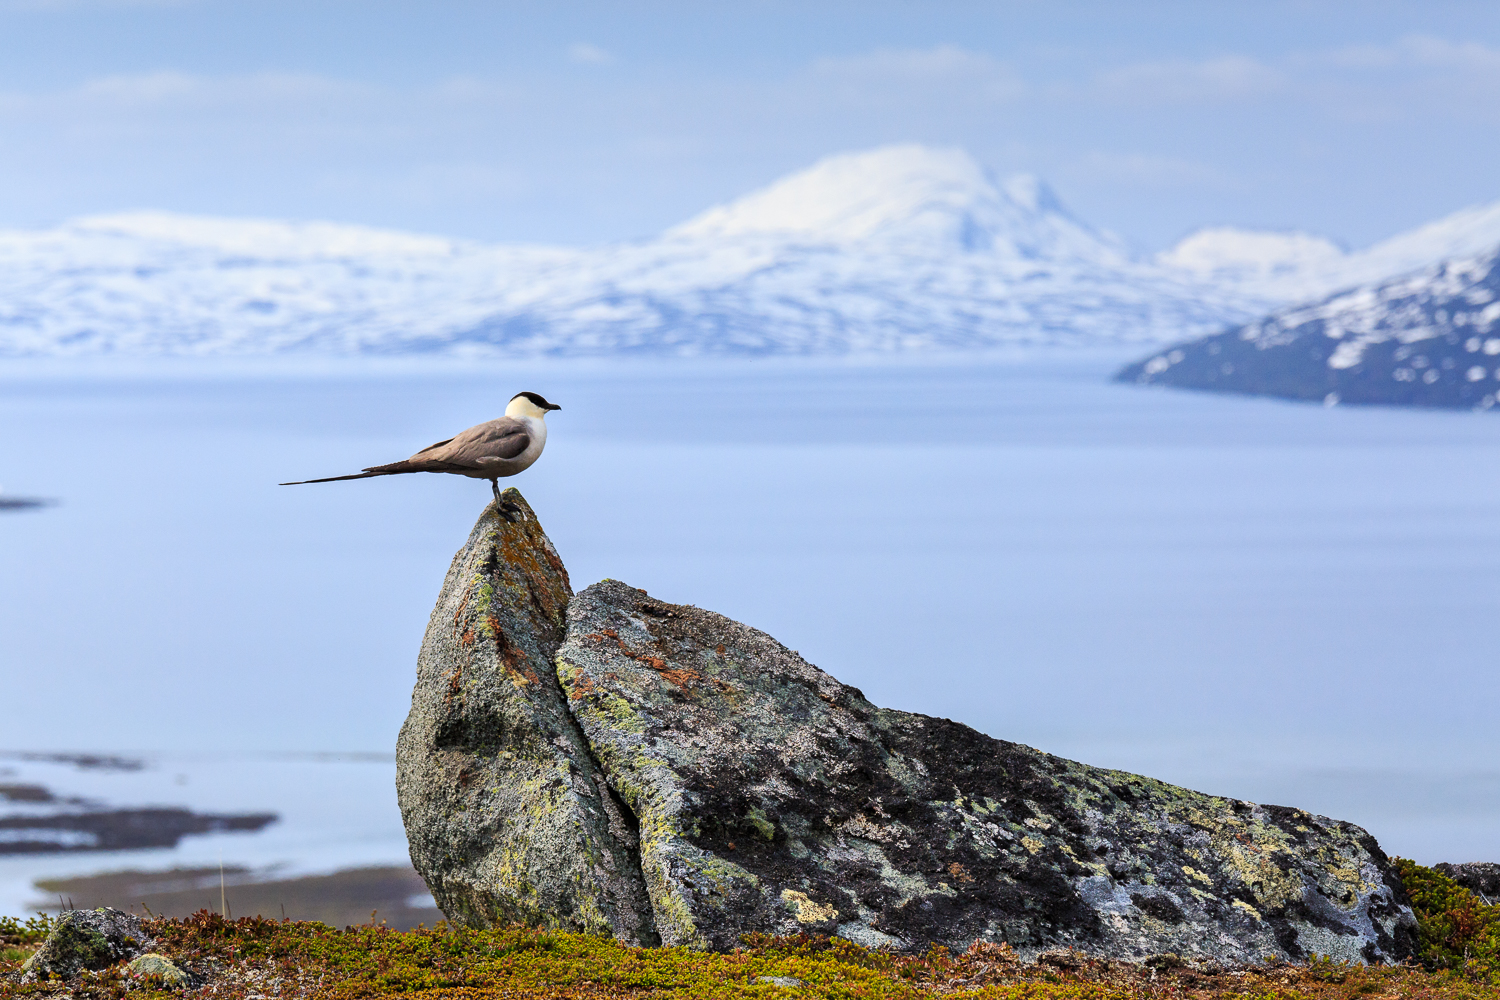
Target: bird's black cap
538,400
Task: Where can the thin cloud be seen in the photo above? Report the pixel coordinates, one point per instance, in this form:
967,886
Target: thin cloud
589,54
1413,52
165,88
938,67
1231,77
1148,170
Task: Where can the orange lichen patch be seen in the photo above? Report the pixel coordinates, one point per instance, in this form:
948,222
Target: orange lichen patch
959,873
520,550
680,678
516,663
583,686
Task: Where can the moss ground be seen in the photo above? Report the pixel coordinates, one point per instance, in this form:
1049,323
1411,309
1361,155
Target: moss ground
258,959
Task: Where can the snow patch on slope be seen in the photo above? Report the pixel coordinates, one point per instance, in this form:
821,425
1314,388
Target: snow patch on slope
263,237
1227,253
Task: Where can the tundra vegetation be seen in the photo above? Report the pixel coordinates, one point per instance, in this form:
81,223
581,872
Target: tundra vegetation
253,958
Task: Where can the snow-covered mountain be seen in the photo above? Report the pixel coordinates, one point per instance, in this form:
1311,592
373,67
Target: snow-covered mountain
898,248
1427,338
1295,267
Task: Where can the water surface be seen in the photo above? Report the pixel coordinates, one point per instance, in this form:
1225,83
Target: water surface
1270,600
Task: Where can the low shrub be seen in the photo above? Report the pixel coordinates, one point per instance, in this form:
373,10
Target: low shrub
1455,929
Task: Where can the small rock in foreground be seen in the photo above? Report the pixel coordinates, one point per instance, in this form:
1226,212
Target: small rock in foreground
87,939
158,971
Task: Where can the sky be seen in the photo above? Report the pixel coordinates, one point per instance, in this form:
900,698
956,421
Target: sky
583,122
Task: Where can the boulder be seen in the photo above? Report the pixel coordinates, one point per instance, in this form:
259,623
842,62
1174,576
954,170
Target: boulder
508,818
1482,877
156,971
755,792
86,939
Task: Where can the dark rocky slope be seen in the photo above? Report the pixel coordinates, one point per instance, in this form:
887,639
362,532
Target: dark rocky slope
1426,339
746,790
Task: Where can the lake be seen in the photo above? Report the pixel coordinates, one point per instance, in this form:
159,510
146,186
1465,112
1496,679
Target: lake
1274,601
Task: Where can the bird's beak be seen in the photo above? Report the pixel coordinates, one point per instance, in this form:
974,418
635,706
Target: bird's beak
553,406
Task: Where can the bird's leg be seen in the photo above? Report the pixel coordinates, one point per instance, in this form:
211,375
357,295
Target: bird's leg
508,510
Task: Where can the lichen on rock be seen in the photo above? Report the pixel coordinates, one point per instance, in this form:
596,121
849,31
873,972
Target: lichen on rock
86,939
773,798
759,794
156,971
507,817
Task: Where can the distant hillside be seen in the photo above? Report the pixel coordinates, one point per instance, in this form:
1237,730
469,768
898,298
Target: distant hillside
1430,338
897,249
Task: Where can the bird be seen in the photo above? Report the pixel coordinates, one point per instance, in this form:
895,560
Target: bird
491,450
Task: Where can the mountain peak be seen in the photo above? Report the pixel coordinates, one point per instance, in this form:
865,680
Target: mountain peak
850,196
907,197
1032,193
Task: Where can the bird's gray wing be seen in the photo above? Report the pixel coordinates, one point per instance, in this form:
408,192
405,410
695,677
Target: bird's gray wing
480,445
431,447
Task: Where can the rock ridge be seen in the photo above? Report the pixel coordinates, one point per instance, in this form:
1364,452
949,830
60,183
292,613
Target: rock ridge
745,790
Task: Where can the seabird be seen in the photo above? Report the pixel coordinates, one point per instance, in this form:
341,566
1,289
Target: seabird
491,450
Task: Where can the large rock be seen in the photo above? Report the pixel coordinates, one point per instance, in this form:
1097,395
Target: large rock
507,816
86,939
1482,877
768,796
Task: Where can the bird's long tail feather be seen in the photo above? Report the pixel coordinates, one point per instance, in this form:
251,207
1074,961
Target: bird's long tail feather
395,468
335,479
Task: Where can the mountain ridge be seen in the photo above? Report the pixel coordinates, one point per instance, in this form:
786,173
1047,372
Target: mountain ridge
895,249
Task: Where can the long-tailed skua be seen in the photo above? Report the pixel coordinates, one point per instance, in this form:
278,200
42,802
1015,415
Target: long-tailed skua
492,450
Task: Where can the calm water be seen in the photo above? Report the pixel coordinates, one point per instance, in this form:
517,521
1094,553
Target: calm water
1275,601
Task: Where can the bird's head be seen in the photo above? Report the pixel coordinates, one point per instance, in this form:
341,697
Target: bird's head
529,404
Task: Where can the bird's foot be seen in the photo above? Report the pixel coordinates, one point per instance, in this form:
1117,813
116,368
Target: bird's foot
510,511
